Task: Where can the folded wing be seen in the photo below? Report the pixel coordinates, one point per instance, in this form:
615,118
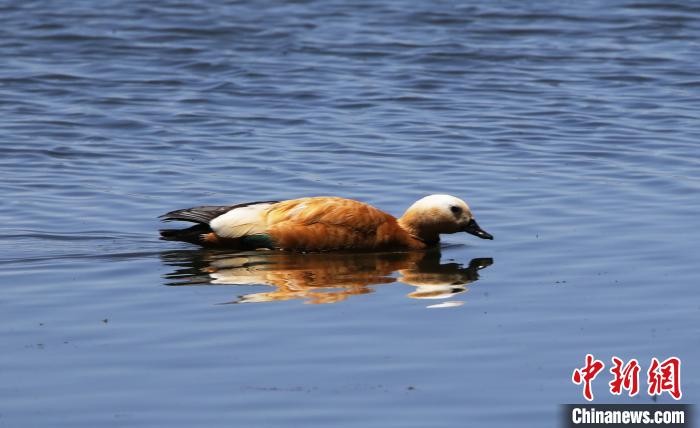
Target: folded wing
329,223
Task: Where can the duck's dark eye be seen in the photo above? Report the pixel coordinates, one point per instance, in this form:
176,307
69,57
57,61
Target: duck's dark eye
455,209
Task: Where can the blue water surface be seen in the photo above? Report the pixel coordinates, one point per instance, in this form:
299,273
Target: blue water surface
571,128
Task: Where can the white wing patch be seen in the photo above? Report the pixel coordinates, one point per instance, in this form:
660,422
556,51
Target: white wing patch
240,222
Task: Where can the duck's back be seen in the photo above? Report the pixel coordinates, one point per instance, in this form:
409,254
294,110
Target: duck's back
332,223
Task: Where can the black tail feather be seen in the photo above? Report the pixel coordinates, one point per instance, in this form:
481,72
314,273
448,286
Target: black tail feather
203,214
191,234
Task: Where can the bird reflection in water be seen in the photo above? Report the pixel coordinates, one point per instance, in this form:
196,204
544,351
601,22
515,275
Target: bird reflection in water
324,278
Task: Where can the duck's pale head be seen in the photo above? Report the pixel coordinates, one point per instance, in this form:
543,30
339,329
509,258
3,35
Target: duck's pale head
434,215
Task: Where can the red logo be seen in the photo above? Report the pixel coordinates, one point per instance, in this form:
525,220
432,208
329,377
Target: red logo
661,377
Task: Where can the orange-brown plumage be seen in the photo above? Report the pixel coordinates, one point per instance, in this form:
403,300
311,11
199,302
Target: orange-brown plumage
330,223
324,224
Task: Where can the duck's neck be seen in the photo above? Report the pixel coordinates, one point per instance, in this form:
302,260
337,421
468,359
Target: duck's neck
420,230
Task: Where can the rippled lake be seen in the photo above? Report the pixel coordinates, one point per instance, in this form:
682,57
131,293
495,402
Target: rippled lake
571,128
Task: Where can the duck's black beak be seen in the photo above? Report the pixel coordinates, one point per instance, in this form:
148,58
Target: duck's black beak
473,228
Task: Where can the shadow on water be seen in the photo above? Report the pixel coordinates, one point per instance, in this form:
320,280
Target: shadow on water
323,278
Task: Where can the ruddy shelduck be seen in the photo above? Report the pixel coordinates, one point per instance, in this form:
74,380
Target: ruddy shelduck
324,224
